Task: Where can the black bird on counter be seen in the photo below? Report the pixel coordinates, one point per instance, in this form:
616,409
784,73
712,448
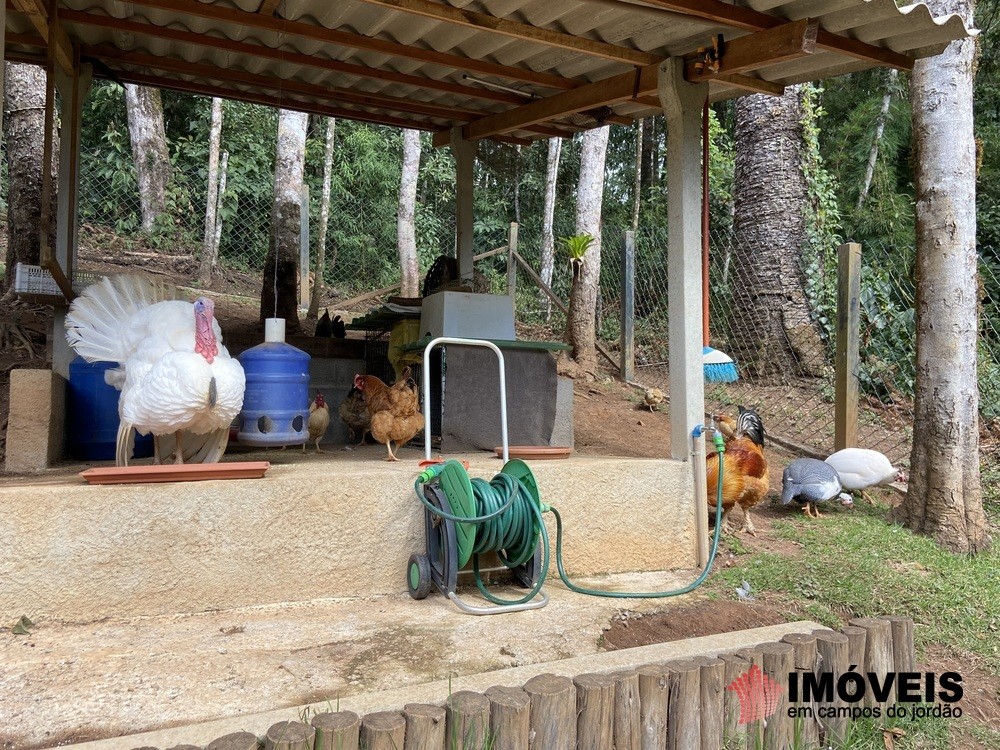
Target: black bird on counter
324,327
339,327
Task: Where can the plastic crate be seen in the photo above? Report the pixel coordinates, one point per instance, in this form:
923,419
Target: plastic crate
35,284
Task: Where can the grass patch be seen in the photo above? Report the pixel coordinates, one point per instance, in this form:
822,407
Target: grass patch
854,564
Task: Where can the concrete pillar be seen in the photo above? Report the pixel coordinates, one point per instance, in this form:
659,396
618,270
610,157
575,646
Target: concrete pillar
73,91
465,159
682,104
36,421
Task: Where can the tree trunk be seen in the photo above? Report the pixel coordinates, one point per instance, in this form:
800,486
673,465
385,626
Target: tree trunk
772,334
883,115
580,328
149,150
517,185
24,128
209,251
637,185
324,221
548,220
944,500
406,231
279,293
646,170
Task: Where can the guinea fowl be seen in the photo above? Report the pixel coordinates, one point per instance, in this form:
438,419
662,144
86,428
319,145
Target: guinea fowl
811,481
177,380
324,326
861,468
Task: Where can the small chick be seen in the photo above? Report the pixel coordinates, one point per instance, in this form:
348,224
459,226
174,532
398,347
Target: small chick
653,398
319,420
339,327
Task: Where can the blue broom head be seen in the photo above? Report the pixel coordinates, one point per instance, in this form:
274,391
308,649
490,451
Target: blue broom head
719,368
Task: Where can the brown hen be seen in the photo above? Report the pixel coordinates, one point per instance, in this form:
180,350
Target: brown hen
395,410
745,479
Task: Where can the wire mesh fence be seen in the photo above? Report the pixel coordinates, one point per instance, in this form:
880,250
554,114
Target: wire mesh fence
782,340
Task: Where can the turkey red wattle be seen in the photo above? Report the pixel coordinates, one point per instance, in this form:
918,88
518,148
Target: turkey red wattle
204,336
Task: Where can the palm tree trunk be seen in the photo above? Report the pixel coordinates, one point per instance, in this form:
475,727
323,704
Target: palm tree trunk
548,250
324,221
406,234
209,251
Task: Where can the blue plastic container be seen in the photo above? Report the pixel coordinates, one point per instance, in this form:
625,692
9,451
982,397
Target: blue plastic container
276,400
92,414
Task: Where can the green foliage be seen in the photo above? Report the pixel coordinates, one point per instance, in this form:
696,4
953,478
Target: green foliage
576,246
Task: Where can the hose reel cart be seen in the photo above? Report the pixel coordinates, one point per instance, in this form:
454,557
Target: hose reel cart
465,518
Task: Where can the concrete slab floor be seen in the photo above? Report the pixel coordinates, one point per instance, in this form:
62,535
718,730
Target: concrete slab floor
70,683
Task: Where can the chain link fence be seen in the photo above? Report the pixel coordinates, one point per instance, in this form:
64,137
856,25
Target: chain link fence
782,341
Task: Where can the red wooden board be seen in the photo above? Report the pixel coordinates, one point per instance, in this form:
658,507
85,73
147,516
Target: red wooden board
175,472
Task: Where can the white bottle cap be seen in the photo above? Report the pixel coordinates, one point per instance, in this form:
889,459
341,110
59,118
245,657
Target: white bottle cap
274,331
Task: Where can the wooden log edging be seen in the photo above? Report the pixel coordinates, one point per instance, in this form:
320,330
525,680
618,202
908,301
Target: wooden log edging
689,703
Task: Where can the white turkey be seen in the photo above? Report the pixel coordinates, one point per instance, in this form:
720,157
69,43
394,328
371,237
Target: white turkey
861,468
177,379
811,481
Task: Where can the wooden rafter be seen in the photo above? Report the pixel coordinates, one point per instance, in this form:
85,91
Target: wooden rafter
38,14
280,85
295,58
269,7
357,41
775,45
740,17
484,22
750,83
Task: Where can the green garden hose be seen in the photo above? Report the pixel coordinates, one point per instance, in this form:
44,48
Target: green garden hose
506,514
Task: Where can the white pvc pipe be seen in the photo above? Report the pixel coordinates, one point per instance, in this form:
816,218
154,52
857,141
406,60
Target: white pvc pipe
427,391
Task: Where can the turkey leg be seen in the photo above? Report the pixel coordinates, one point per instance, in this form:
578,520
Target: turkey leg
156,450
179,452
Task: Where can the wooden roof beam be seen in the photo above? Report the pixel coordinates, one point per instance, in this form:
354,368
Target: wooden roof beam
356,41
50,30
749,19
752,51
268,7
750,83
296,58
775,45
177,65
484,22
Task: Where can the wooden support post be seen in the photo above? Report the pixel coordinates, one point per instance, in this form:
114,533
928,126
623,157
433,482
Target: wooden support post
628,735
733,733
848,335
289,735
683,722
510,718
384,730
754,730
425,727
73,91
805,727
904,655
595,712
468,719
304,248
778,662
654,705
234,741
465,160
833,651
627,366
553,711
713,684
512,266
856,638
878,658
337,730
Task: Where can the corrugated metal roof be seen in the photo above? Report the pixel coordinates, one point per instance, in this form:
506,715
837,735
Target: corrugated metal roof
241,53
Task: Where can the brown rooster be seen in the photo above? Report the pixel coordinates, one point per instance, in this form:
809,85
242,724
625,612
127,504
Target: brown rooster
395,410
745,479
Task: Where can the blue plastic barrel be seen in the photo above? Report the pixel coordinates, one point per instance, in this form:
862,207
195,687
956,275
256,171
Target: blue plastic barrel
276,400
92,414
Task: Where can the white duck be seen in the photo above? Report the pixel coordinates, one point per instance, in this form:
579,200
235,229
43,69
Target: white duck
861,468
177,379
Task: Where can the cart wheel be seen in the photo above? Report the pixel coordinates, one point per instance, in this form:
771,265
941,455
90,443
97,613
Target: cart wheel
418,576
